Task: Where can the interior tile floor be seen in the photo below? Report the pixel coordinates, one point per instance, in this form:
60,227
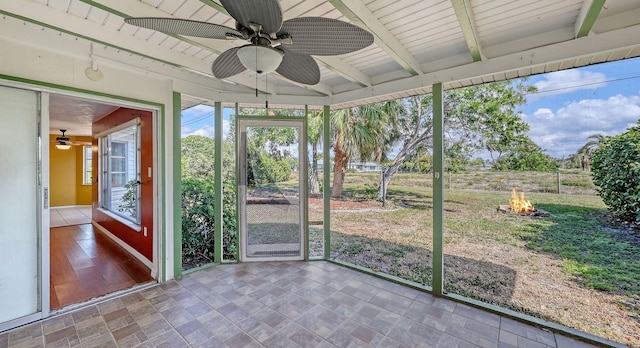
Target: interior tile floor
86,264
287,304
66,216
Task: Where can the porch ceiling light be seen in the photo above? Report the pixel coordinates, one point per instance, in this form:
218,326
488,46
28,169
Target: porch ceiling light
261,59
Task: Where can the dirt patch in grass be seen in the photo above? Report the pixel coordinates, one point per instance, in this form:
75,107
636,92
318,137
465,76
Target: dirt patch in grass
575,268
316,203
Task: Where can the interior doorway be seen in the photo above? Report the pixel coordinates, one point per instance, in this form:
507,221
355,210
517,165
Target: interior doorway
272,189
95,252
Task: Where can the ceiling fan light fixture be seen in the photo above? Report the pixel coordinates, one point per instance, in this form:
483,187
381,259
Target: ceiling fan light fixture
261,59
63,146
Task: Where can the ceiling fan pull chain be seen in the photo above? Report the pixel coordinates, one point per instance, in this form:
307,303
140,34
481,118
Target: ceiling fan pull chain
266,95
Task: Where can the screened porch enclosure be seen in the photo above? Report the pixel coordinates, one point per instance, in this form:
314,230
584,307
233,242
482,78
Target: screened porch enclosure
438,230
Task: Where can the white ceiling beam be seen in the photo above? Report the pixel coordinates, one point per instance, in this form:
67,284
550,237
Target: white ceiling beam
626,38
587,18
128,8
620,20
347,71
467,23
358,13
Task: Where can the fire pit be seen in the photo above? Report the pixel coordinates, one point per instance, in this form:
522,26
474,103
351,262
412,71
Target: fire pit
521,206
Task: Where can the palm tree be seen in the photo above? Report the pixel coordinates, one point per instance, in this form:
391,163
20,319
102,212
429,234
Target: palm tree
314,134
362,131
593,142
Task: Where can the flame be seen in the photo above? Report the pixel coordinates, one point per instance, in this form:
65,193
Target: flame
520,205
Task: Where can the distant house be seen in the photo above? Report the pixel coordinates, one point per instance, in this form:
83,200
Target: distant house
365,166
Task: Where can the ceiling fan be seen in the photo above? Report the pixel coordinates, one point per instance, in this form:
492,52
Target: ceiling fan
274,45
64,143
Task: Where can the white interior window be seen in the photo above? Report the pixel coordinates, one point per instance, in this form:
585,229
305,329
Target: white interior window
119,153
87,168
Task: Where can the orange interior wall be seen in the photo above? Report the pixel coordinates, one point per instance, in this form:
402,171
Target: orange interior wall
62,175
65,175
136,239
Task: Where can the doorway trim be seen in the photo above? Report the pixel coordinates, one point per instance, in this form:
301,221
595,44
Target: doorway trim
160,263
242,122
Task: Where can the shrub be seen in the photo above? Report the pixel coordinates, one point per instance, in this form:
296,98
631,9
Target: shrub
526,156
198,222
615,169
129,201
265,169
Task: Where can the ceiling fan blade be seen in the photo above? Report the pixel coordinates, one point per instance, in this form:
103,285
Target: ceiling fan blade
320,36
227,64
185,27
264,12
300,68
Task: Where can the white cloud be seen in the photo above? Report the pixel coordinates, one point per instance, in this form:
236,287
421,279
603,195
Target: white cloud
543,114
564,131
206,131
567,81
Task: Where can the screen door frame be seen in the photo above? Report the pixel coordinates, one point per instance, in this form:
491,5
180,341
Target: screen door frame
299,123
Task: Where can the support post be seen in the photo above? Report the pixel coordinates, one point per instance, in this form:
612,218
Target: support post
326,179
438,189
219,213
177,186
306,181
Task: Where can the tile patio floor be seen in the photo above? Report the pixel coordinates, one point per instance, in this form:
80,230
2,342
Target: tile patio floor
286,304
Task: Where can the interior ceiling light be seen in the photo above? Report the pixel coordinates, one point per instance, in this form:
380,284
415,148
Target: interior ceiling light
261,59
63,146
63,142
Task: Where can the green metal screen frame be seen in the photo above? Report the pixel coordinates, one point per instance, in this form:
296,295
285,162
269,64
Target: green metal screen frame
438,189
177,185
326,179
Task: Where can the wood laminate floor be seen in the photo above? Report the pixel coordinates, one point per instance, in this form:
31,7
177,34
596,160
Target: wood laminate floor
86,264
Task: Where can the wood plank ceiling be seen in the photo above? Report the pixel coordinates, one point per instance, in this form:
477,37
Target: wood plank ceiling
417,43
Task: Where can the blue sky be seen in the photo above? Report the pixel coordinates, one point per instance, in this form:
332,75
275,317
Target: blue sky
572,104
569,106
198,120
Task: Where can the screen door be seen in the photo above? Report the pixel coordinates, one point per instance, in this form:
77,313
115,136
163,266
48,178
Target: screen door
271,194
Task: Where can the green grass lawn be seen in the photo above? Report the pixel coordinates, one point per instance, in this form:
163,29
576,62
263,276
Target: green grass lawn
574,267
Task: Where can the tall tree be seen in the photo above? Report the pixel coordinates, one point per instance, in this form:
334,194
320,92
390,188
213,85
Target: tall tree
361,131
586,151
477,117
197,160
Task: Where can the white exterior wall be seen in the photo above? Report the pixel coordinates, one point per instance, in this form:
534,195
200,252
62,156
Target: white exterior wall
61,60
